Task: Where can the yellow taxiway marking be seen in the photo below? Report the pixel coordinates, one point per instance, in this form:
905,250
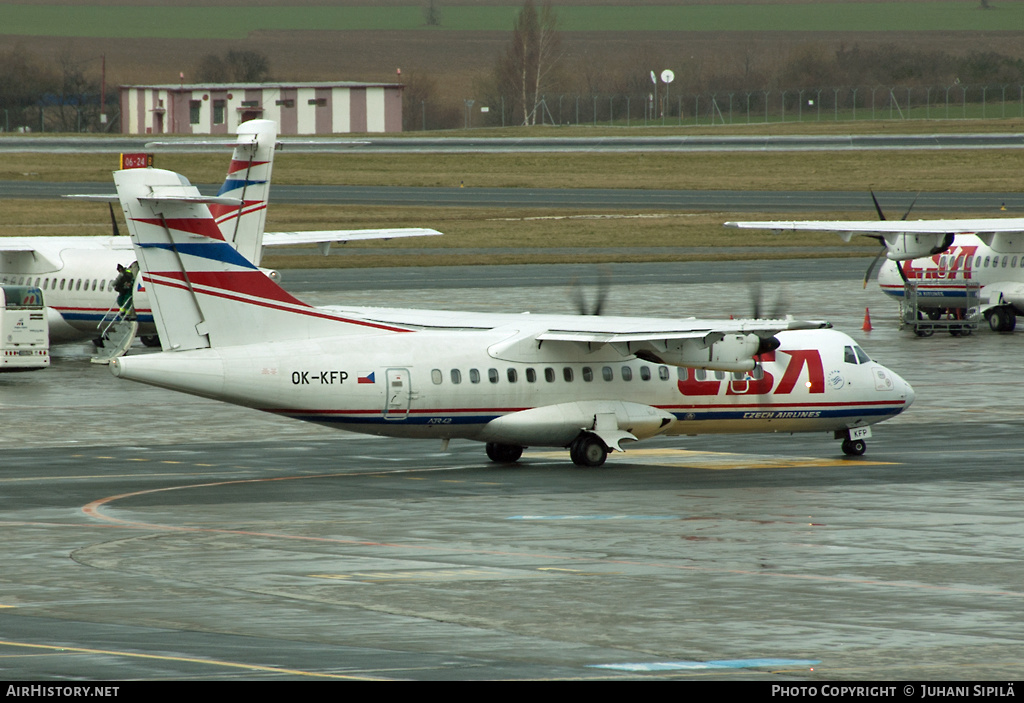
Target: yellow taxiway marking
727,460
191,660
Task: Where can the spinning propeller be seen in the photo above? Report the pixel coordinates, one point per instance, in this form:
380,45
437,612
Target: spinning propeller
603,285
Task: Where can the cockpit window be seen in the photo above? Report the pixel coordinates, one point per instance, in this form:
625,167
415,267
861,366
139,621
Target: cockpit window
855,355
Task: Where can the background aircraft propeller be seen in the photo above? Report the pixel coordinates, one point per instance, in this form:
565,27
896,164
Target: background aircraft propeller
881,240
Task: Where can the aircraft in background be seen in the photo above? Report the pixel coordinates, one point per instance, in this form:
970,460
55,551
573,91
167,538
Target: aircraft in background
76,273
941,258
584,382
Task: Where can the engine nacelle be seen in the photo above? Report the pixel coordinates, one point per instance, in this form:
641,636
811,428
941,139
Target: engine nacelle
729,352
900,247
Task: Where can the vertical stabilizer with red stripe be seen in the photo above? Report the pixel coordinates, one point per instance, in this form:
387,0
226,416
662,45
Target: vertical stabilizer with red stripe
203,292
248,181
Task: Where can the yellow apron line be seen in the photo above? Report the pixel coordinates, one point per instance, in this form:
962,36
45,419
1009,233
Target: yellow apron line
724,460
190,660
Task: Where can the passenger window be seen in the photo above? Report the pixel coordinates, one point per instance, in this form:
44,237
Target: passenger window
1013,262
700,374
474,376
645,373
627,373
456,376
492,375
436,377
549,375
512,376
1005,259
663,373
567,374
607,373
531,375
588,374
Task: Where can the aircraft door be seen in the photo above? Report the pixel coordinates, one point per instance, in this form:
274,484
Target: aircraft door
398,394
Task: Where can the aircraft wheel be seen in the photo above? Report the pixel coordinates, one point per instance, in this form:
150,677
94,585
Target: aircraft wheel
995,320
588,450
854,447
150,340
934,314
503,453
1011,319
924,333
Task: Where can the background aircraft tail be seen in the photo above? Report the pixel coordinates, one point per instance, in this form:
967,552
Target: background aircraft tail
248,181
204,292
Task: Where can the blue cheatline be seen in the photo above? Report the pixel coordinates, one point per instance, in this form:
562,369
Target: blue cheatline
593,517
718,664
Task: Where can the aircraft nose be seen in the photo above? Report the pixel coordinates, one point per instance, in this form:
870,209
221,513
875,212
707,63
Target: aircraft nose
906,390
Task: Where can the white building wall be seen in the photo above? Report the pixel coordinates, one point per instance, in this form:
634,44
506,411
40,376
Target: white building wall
341,117
133,111
271,110
374,109
205,113
306,113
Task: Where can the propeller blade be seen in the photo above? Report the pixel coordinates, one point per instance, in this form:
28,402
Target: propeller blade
113,222
874,263
878,208
912,203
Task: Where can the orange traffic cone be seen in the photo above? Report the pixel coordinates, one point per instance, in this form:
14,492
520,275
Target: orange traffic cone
867,320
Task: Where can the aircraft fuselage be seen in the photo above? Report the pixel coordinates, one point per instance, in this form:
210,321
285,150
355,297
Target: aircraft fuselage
424,384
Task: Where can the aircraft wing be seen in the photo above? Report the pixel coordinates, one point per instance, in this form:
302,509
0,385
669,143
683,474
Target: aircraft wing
327,237
880,228
720,345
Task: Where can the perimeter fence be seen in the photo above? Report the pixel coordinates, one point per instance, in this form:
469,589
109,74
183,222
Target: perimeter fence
728,107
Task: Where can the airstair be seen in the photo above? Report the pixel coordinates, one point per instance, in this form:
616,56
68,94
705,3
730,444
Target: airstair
958,321
117,332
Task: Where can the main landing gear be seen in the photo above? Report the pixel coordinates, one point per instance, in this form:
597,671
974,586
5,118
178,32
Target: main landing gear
588,450
503,453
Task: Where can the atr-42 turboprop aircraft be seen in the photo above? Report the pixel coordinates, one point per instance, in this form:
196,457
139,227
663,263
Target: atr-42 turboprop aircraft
942,257
76,273
588,383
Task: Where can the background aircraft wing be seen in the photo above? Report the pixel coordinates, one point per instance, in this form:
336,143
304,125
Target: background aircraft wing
880,228
327,237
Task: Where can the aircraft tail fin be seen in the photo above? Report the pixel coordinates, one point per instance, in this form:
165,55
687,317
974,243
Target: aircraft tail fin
204,292
248,180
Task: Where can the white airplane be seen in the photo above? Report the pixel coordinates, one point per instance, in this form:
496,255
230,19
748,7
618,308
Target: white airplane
76,273
941,257
588,383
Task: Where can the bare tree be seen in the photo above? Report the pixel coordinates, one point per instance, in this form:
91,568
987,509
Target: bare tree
432,14
522,73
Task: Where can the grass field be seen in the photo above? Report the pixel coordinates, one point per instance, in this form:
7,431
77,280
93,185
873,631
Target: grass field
170,22
531,236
